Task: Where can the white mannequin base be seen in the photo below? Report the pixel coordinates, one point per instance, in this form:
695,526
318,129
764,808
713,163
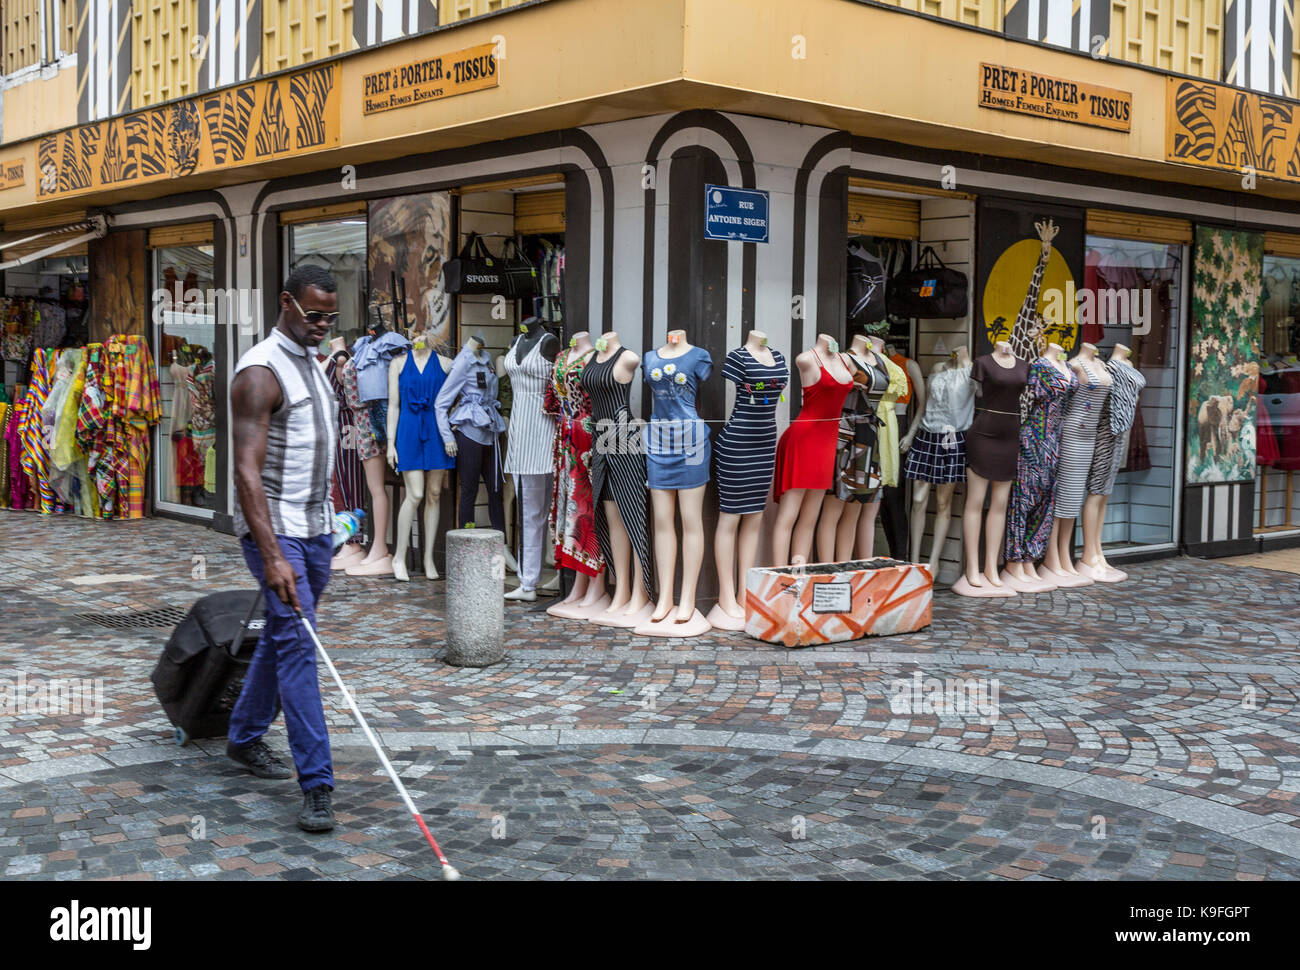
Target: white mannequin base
577,611
349,555
963,588
1023,585
1066,580
1100,574
625,621
376,567
522,595
720,619
669,627
1048,580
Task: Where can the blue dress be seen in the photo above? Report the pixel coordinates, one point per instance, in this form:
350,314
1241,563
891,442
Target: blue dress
419,445
677,441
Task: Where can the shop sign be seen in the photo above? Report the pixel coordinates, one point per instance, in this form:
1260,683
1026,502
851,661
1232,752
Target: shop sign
1056,99
12,173
736,215
431,79
244,125
1239,131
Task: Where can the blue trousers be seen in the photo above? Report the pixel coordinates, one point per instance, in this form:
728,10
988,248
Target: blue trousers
283,670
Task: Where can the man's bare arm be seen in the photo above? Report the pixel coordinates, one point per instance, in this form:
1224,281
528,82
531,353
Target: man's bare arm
254,394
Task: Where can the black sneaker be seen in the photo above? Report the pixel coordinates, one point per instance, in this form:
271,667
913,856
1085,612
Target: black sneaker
259,760
317,814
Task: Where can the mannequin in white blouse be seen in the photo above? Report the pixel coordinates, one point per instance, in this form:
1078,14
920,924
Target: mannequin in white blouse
1093,562
943,492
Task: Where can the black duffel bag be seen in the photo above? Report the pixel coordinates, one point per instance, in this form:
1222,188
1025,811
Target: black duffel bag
475,271
929,291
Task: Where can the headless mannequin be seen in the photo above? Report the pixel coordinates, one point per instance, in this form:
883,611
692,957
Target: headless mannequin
630,605
896,498
986,582
1058,566
846,524
507,489
532,333
798,508
683,619
1093,563
942,492
588,597
421,485
735,541
351,553
1022,576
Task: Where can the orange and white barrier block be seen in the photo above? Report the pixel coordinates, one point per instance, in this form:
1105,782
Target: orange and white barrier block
832,602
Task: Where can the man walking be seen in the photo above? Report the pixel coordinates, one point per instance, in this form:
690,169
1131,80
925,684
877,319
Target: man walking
283,416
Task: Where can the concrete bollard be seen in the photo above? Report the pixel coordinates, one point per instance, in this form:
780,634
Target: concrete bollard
476,573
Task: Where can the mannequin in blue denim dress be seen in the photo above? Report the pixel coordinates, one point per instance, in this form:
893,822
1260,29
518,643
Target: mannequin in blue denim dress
677,466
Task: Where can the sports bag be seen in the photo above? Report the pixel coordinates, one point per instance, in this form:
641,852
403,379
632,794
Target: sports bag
476,271
929,291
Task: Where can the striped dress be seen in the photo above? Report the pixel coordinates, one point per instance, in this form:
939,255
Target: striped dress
1030,507
530,447
745,451
1116,420
1079,442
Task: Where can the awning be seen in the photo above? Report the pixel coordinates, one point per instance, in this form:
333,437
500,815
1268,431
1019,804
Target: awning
50,242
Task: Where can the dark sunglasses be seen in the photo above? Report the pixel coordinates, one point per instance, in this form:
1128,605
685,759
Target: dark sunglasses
313,317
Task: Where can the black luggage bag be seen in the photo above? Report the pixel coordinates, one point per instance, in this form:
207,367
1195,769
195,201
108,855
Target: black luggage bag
201,671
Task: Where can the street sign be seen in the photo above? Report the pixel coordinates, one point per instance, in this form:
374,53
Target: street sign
735,215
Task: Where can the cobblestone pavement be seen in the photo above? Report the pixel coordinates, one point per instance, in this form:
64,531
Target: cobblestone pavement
1146,730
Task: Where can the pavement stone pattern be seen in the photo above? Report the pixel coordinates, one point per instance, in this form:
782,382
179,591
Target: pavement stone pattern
1165,705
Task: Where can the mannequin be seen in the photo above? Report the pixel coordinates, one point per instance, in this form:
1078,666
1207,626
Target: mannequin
530,450
1078,444
677,467
618,476
469,419
850,508
991,449
893,499
805,455
1029,522
1113,429
505,394
351,553
745,455
420,453
936,455
573,516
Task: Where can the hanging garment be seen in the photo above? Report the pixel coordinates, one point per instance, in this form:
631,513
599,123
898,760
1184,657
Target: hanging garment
371,356
618,463
1079,441
805,455
573,516
887,443
418,443
349,478
745,452
136,404
1266,450
92,434
1032,500
677,441
1117,417
992,444
857,453
5,412
36,455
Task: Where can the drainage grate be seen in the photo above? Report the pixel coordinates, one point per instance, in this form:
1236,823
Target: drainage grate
167,616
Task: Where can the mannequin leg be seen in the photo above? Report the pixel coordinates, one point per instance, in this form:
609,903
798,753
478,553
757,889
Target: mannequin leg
920,499
1058,563
846,532
805,525
508,491
374,469
894,520
995,530
724,557
942,522
469,472
493,480
414,483
833,512
692,504
621,549
787,512
665,517
434,481
976,488
864,539
747,554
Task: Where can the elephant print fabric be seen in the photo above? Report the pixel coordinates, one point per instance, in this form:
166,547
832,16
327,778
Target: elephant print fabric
1224,375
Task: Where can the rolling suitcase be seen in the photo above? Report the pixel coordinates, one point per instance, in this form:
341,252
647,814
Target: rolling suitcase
201,671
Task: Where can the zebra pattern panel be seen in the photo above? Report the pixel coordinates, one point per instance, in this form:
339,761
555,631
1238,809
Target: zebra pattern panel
103,59
1057,22
1257,45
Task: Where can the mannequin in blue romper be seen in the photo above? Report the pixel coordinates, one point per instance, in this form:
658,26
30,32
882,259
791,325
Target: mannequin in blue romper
677,470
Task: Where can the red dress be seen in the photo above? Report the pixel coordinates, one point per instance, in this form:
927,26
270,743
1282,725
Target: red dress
805,455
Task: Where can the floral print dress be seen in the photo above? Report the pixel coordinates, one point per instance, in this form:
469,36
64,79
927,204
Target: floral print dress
573,511
1029,510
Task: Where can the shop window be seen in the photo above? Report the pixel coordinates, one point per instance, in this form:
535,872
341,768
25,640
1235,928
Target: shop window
1136,288
1277,442
185,335
340,247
